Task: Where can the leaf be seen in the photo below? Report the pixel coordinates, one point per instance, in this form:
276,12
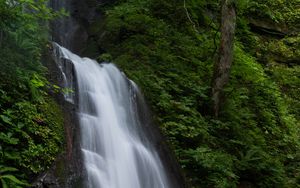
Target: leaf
55,86
4,185
20,125
8,139
13,179
7,169
12,155
5,119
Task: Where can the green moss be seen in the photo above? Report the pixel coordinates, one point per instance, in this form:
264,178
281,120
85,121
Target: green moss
286,50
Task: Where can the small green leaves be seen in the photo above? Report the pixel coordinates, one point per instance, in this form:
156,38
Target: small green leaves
7,138
37,81
5,119
12,178
9,180
7,169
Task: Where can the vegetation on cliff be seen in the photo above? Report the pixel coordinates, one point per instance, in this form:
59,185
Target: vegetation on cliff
169,48
31,123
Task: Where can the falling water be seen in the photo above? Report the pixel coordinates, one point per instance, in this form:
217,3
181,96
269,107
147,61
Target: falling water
115,147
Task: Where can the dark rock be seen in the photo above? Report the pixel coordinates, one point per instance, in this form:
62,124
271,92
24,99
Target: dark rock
47,180
268,27
73,31
67,171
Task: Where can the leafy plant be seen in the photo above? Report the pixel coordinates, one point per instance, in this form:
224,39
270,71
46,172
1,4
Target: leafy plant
155,44
9,180
31,128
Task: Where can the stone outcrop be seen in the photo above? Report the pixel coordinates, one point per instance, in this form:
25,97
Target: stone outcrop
67,171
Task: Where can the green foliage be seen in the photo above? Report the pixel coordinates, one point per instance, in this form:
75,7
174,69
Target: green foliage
279,11
169,47
8,180
31,131
32,135
260,111
215,165
289,82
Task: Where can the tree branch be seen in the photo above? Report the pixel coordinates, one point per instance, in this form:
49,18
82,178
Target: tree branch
189,17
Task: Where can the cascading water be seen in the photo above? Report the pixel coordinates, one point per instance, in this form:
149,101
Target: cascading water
114,144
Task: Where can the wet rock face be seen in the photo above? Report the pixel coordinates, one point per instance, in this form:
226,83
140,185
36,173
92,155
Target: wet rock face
48,179
67,171
85,13
72,32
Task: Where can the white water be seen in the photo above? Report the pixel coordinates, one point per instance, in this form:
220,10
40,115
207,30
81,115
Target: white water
115,150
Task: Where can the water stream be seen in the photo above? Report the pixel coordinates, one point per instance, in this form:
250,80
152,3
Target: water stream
114,144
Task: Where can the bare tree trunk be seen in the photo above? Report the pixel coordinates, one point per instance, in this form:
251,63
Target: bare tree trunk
223,65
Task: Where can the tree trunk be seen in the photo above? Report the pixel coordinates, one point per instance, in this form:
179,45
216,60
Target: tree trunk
223,65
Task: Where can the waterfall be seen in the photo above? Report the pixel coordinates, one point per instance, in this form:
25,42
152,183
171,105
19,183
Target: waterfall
116,149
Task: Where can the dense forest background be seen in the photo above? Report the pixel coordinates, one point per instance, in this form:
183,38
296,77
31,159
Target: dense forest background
169,48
